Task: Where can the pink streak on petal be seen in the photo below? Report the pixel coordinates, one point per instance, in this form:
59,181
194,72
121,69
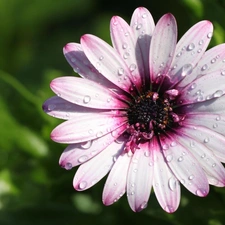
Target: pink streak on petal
163,46
95,169
140,176
116,182
85,128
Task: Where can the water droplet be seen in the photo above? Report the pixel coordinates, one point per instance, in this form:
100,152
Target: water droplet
132,67
51,107
90,131
144,15
186,70
126,55
82,185
135,170
173,144
199,50
68,166
218,118
214,164
206,140
223,73
169,158
213,60
215,125
99,134
147,153
180,159
120,71
144,205
193,86
179,54
86,145
201,192
172,184
190,47
124,46
203,155
101,58
209,35
82,159
204,67
165,146
191,177
200,42
138,27
218,94
86,99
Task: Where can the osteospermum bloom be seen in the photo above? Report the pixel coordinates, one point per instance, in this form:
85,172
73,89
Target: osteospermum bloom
149,111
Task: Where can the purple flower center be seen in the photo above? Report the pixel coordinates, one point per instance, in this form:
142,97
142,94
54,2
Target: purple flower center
150,114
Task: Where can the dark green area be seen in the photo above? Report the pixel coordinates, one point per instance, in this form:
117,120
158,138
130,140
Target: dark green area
34,190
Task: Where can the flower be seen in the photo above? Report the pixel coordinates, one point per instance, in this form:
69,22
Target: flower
149,110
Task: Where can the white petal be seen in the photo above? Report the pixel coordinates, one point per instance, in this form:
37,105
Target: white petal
140,175
211,165
86,93
184,166
95,169
86,127
124,42
165,184
116,182
163,46
79,153
190,49
107,61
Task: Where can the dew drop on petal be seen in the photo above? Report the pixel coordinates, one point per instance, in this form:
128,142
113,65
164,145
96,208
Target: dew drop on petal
87,99
209,35
86,145
200,42
213,165
201,192
132,67
51,107
190,47
172,183
120,71
206,140
83,159
169,158
169,208
186,70
165,146
144,205
223,72
124,46
191,177
82,185
180,159
204,67
68,166
218,94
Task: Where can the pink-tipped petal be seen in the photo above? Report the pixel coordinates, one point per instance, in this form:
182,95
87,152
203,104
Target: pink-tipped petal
211,61
165,184
116,182
211,139
213,168
107,61
76,154
142,25
140,176
86,93
184,166
86,127
124,42
199,90
163,46
75,56
190,50
95,169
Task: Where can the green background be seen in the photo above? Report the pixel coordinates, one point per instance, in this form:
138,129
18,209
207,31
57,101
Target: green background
34,190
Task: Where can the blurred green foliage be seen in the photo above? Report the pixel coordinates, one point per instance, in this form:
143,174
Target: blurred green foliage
33,188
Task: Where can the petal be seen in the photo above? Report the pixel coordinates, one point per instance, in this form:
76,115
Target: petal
95,169
165,184
210,164
107,61
215,122
124,42
142,25
163,46
62,109
211,139
199,90
86,127
211,61
215,105
190,49
184,166
140,175
79,153
115,185
75,56
86,93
